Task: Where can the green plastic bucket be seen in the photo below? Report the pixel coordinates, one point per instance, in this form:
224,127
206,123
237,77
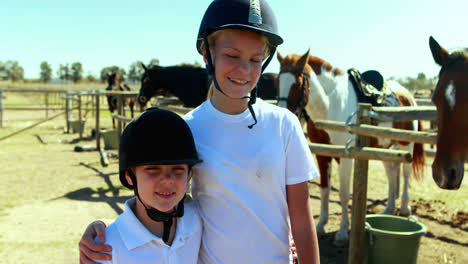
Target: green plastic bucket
76,126
392,239
111,138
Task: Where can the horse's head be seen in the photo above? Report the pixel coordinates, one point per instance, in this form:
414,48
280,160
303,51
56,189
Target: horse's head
294,82
147,86
113,79
451,100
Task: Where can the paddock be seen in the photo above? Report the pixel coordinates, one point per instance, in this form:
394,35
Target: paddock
93,192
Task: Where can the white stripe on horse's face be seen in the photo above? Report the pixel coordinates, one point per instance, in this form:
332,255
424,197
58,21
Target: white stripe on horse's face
286,80
450,95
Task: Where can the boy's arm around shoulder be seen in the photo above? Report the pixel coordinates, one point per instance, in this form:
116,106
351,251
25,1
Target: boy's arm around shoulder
110,234
90,250
302,223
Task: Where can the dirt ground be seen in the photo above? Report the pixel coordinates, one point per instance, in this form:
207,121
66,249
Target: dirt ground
50,193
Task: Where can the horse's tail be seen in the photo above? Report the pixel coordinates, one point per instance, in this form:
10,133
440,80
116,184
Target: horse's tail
419,157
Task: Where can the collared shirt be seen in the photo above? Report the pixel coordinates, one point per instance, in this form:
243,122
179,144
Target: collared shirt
132,242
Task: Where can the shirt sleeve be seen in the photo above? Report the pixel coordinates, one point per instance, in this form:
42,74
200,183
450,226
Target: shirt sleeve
300,164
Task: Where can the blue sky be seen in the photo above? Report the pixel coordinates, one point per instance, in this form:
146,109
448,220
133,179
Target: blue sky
390,36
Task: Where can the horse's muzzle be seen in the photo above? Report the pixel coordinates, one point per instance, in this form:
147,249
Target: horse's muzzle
448,177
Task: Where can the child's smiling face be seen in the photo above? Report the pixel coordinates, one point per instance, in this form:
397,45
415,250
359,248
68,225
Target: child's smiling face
161,186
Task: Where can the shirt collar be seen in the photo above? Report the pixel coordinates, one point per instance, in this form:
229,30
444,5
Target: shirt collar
132,231
135,234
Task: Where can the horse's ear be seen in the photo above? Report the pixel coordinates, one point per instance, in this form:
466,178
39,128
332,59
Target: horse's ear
303,60
144,67
439,54
278,55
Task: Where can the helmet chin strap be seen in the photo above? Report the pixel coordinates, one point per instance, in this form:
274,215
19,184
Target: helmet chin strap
157,215
253,95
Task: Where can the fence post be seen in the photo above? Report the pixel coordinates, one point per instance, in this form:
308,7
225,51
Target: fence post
120,113
67,110
92,101
47,105
98,129
358,213
80,119
1,108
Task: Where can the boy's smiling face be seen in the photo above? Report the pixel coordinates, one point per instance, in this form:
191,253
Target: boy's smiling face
161,186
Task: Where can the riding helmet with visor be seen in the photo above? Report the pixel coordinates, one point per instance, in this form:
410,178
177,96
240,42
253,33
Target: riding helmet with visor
252,15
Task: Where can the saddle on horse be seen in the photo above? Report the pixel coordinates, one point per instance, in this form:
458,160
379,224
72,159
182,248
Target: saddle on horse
371,88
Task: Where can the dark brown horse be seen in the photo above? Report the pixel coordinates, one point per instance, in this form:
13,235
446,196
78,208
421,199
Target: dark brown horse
114,84
190,84
451,100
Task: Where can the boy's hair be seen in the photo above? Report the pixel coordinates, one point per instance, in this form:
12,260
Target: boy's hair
156,137
215,35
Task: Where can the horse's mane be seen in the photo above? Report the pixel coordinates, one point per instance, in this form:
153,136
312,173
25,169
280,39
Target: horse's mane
317,64
111,79
455,57
183,66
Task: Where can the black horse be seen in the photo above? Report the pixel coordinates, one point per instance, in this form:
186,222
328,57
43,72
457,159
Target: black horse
267,86
190,84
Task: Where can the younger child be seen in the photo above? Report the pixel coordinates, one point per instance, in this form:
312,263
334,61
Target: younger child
156,154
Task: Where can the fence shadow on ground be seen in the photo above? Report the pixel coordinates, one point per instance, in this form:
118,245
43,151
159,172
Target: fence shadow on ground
100,194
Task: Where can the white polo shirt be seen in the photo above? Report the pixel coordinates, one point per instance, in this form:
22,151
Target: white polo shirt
132,243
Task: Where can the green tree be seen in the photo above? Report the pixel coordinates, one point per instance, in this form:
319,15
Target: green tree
135,71
112,69
153,62
90,77
418,83
196,64
3,74
76,72
14,71
421,76
63,72
46,72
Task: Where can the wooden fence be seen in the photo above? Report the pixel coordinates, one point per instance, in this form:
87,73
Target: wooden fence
73,104
362,153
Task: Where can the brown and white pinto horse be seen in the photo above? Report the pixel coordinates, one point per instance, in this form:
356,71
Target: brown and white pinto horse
114,84
451,99
318,91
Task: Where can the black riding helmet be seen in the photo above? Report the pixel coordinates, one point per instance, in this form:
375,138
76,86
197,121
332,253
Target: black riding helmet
252,15
156,137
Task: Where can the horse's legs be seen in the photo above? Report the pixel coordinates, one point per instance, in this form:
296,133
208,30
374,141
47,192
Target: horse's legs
393,173
132,105
324,164
345,167
113,121
405,208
